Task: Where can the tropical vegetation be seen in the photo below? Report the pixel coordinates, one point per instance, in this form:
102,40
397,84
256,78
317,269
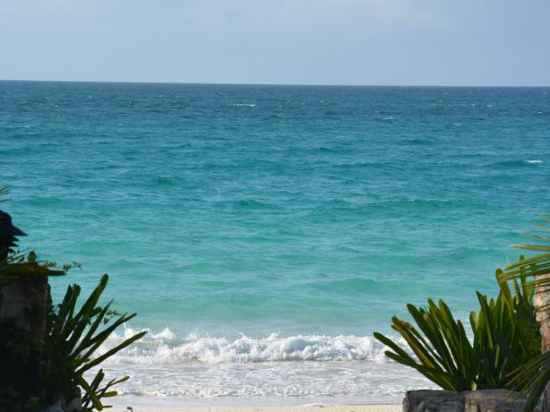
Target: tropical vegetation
535,374
502,346
503,335
73,339
61,365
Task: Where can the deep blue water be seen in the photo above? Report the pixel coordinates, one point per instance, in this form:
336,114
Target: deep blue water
302,211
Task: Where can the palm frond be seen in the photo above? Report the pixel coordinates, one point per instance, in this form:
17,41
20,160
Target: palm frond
505,336
75,335
534,375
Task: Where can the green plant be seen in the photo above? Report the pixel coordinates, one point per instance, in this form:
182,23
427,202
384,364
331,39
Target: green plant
74,338
48,353
534,375
504,336
443,352
24,291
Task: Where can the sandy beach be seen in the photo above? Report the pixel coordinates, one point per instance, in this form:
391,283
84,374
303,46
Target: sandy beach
305,408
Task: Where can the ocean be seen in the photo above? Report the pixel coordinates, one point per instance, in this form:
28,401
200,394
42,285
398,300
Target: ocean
262,233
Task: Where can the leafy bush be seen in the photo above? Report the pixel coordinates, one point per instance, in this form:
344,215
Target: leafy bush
74,336
59,366
444,354
48,352
23,332
504,337
534,375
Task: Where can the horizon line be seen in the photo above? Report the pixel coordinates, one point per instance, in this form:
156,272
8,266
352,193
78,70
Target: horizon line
273,84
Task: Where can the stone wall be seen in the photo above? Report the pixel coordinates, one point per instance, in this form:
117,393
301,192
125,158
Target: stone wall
24,306
25,302
493,400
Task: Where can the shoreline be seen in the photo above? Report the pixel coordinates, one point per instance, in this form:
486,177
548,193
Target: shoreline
327,408
135,405
249,403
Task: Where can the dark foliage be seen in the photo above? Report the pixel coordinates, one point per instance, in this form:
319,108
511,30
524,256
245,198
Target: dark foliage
504,336
57,364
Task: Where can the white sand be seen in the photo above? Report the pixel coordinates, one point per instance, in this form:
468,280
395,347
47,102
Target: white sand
128,403
316,408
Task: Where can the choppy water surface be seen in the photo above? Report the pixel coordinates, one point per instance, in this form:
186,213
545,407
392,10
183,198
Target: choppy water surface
263,233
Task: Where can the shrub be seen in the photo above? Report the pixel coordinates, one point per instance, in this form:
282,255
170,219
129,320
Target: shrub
534,376
46,351
57,368
74,336
504,337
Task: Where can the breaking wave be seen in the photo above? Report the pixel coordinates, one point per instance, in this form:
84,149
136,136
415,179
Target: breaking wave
165,348
300,368
511,164
244,105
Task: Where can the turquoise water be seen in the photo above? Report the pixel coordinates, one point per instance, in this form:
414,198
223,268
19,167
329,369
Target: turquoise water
254,228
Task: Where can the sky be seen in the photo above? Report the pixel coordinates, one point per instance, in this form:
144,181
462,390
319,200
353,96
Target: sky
356,42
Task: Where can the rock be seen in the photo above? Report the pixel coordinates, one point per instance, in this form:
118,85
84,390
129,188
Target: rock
61,406
54,408
26,302
24,307
432,401
74,406
437,405
493,400
541,302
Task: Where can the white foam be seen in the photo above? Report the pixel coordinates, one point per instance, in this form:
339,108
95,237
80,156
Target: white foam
165,334
535,161
301,367
163,348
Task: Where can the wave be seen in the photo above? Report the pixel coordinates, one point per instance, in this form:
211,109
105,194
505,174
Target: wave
163,348
243,105
371,165
343,368
507,164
